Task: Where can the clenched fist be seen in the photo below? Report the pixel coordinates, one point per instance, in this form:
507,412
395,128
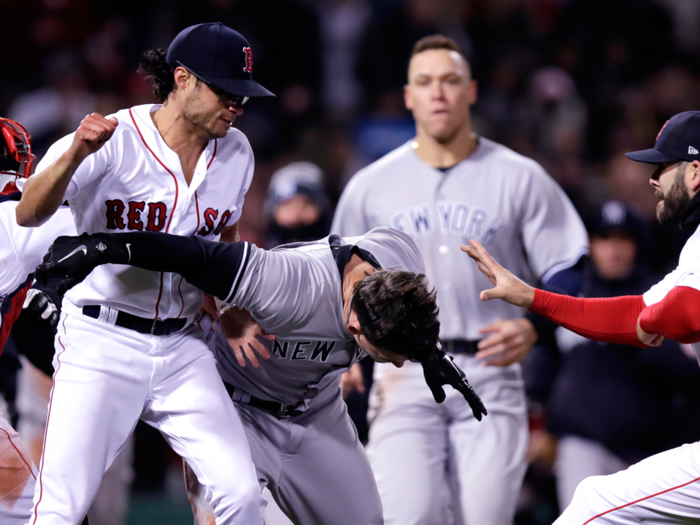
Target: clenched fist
93,132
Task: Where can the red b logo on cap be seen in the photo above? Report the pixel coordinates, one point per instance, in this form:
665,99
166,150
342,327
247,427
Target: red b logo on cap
248,60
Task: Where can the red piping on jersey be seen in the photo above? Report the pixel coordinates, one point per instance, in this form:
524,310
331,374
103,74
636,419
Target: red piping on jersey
48,420
167,227
216,142
196,203
18,452
641,499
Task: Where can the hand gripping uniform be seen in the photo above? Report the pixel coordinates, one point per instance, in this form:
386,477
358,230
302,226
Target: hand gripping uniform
509,203
126,346
304,445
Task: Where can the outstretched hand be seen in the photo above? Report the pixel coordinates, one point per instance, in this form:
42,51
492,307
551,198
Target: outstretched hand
439,369
507,286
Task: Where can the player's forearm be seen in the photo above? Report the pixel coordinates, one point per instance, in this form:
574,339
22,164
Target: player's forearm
210,266
610,320
44,192
676,317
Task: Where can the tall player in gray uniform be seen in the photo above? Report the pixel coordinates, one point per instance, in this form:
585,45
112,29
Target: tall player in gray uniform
444,187
322,300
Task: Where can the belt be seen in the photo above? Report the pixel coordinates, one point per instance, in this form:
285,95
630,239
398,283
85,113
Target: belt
134,322
279,410
460,346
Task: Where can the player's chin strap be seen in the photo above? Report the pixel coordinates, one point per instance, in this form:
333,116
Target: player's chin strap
439,369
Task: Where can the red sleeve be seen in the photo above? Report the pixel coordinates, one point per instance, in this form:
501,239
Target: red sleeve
609,320
11,316
676,317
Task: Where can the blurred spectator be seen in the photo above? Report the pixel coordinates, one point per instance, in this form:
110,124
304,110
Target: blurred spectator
612,405
297,205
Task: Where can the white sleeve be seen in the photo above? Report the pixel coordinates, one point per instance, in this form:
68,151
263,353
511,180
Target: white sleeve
657,292
248,178
94,165
553,233
350,219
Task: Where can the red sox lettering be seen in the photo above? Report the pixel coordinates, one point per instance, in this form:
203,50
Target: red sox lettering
137,219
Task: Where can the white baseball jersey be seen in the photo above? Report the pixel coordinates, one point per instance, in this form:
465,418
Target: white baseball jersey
664,488
21,249
295,292
687,273
496,196
135,182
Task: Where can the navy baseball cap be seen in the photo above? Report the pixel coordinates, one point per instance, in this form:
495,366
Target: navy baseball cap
218,55
679,139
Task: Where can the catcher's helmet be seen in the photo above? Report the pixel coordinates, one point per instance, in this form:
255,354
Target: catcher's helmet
15,149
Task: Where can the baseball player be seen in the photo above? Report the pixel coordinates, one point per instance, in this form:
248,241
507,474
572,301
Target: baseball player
366,292
442,188
127,345
664,488
20,251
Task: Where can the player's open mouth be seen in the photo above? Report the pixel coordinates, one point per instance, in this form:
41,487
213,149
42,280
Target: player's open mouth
228,122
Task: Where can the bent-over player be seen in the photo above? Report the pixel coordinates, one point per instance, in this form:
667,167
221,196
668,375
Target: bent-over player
321,300
664,488
444,187
127,345
20,251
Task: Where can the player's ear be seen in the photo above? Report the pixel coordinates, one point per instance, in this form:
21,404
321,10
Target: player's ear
407,97
695,176
473,92
181,77
354,327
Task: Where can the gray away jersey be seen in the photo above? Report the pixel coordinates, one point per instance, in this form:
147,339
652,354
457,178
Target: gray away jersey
496,196
294,292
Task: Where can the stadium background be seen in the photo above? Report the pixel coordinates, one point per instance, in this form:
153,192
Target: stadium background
570,83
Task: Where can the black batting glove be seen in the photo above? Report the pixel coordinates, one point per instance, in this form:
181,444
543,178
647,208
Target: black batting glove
71,259
439,369
43,301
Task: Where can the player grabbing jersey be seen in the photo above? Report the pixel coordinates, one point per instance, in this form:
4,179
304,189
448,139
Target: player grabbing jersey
366,292
664,488
21,250
127,346
444,187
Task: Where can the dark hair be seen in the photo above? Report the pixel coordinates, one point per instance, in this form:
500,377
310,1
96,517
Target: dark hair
397,312
436,42
157,70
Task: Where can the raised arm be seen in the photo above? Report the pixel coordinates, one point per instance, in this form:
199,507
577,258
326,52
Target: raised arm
44,192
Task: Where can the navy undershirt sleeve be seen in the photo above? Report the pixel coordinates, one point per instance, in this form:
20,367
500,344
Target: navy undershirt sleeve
214,267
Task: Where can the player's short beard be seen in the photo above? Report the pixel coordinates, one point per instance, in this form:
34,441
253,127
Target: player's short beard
199,119
670,210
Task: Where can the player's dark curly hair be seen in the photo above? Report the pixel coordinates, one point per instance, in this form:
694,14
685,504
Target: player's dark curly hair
397,312
157,70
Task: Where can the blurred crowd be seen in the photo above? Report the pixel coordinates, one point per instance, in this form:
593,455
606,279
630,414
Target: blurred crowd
570,83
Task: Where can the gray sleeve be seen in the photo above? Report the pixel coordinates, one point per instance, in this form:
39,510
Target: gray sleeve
553,233
350,219
273,288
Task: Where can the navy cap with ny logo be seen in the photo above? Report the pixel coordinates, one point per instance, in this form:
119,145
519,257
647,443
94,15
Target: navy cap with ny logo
679,139
218,55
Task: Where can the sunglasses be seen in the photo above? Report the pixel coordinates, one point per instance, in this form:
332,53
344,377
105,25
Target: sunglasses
224,96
